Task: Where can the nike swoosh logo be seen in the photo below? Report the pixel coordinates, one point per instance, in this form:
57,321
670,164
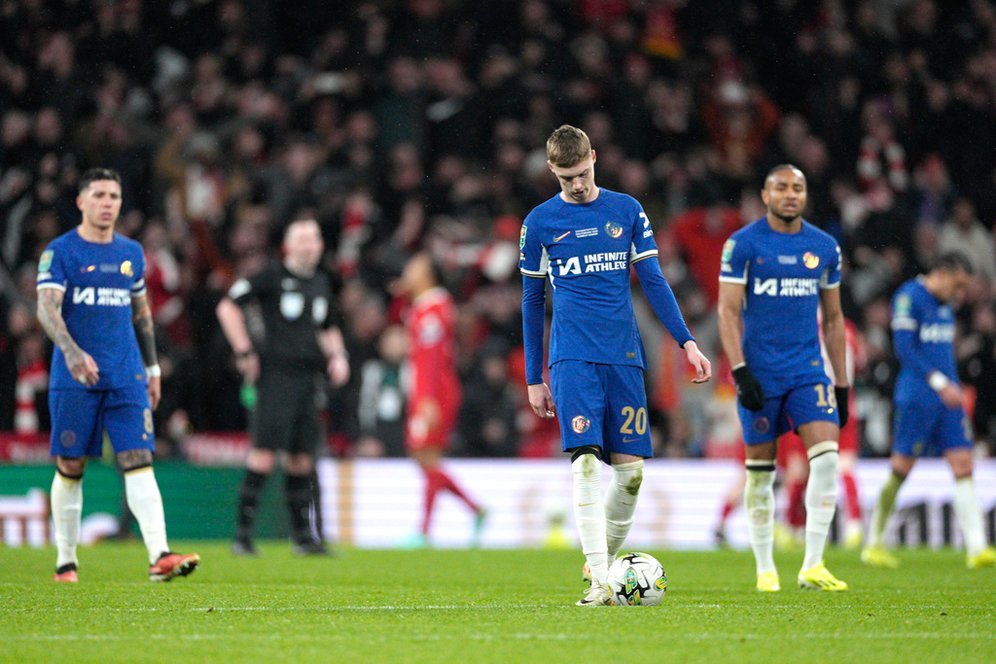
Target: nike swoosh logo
585,504
630,440
561,237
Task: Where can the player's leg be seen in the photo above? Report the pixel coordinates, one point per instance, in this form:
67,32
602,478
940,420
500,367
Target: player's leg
734,496
579,396
260,463
958,452
127,418
811,408
75,435
298,468
791,459
626,437
299,464
760,430
875,552
849,449
913,426
270,427
67,508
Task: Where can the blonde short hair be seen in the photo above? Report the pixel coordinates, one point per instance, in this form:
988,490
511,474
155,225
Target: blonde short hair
567,146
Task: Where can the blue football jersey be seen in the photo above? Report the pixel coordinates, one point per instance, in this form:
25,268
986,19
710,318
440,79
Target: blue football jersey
99,281
783,275
923,332
585,250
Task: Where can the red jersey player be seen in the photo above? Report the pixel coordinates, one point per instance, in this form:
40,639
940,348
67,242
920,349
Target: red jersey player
434,392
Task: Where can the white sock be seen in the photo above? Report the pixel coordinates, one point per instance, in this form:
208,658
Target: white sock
821,499
146,503
589,514
620,503
969,516
759,503
67,506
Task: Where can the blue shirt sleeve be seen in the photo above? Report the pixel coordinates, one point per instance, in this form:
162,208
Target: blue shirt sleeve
905,328
831,276
662,300
533,320
138,276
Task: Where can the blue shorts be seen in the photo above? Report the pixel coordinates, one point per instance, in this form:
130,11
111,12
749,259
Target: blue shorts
80,417
602,405
787,412
923,428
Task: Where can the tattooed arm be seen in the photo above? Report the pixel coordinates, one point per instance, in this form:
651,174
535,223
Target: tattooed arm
141,318
81,366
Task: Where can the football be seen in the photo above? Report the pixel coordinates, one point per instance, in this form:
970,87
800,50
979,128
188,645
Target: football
637,579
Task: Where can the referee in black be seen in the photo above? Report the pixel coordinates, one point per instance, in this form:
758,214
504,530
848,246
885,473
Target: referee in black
299,341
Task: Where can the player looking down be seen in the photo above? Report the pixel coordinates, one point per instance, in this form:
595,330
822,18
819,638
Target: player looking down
774,275
929,414
105,377
584,241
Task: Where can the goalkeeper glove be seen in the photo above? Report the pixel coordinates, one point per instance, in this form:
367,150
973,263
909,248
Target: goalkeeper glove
748,389
842,394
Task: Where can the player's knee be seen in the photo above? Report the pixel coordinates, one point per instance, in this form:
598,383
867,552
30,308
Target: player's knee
261,461
70,468
298,464
134,460
629,476
585,460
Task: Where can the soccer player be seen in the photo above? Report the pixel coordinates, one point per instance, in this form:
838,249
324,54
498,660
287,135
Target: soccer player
774,275
584,240
434,388
105,377
929,414
300,340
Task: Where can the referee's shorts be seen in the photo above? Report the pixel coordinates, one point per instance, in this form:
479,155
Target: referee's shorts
286,417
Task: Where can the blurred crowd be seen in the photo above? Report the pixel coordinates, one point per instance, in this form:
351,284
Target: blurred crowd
406,124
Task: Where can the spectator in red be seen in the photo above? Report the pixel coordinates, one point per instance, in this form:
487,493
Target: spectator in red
700,234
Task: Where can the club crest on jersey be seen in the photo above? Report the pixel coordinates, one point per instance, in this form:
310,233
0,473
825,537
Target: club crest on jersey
614,230
45,262
126,269
810,260
761,425
67,438
580,424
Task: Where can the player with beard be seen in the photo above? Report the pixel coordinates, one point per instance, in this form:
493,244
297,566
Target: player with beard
774,276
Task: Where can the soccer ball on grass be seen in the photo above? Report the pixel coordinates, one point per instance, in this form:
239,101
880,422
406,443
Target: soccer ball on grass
637,579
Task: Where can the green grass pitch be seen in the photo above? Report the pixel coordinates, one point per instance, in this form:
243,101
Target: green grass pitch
484,606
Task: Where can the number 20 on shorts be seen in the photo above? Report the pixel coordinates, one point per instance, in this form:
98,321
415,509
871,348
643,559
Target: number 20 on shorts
636,418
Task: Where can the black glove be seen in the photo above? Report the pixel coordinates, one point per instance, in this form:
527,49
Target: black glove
748,389
842,393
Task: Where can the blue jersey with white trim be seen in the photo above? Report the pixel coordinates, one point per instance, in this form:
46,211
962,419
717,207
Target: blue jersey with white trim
923,331
783,274
98,281
586,249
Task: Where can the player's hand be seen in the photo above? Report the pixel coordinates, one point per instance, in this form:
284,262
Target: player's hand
338,369
703,368
248,366
155,391
951,396
82,367
541,401
841,394
748,389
